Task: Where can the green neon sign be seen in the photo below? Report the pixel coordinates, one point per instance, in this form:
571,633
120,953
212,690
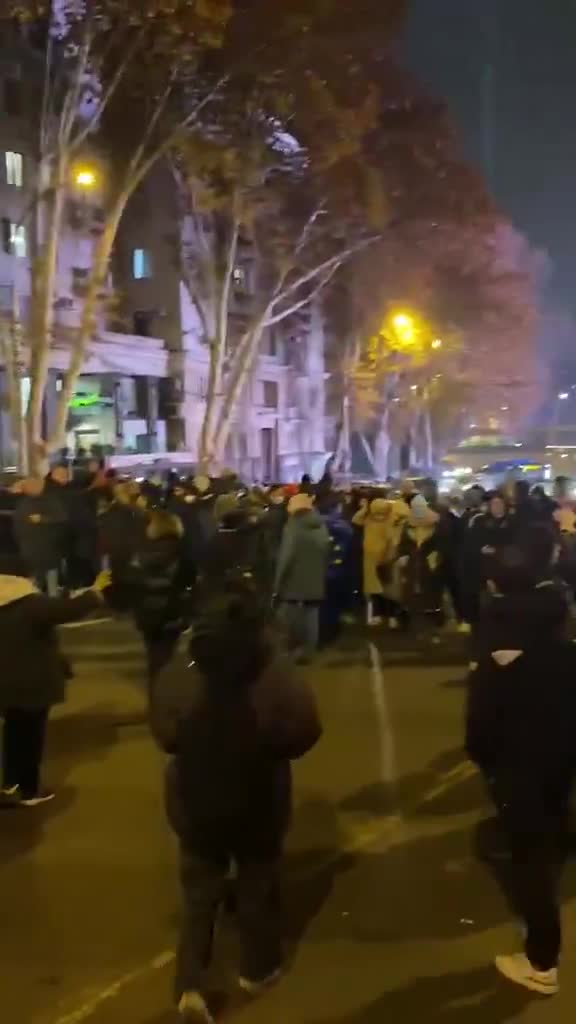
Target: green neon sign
85,401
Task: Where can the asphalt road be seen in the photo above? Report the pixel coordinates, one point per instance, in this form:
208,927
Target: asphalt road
392,918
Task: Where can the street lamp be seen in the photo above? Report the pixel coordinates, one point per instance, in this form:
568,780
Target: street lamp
563,396
85,177
437,343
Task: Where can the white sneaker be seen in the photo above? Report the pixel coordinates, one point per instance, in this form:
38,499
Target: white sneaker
393,624
517,968
192,1007
255,988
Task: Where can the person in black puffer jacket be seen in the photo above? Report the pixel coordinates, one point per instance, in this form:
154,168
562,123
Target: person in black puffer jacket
160,585
521,729
232,716
33,674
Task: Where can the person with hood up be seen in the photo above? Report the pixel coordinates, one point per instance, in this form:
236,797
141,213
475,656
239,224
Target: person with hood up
300,584
237,550
160,585
232,716
521,724
381,521
33,675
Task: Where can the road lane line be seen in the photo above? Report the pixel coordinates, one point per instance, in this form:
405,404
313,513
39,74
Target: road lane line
386,739
91,1006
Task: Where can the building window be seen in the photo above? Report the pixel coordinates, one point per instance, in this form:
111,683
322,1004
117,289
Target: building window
6,298
14,240
270,388
12,97
142,322
14,169
141,264
239,275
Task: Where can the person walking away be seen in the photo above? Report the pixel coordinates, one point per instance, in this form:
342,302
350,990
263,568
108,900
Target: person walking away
40,524
33,675
300,583
238,550
160,589
232,716
381,522
521,723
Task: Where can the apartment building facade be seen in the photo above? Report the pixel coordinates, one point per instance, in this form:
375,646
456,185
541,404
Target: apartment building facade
143,387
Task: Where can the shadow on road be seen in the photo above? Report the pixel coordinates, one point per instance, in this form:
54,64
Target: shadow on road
477,997
78,737
411,793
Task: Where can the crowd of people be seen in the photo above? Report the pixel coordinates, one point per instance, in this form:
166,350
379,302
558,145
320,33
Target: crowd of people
230,587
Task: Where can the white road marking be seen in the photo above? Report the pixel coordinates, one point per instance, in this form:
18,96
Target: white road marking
90,1007
86,622
386,739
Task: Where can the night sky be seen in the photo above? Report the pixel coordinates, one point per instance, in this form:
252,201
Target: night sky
507,69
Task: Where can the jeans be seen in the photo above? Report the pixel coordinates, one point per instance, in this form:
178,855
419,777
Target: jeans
203,877
301,619
22,749
48,582
533,810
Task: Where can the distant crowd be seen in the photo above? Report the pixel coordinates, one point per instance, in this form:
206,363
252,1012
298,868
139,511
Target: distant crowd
231,587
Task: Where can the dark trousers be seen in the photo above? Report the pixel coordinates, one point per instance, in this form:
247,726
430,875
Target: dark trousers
533,810
301,621
257,900
22,749
160,646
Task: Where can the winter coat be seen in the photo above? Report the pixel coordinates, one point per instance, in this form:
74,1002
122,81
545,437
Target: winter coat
484,535
33,671
197,517
382,531
531,618
159,585
238,549
274,523
231,748
340,567
40,525
303,559
121,530
423,567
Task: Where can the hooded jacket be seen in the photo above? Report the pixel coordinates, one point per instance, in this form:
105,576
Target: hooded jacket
33,671
231,741
303,559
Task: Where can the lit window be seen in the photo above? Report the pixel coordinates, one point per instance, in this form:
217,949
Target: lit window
18,241
14,169
141,264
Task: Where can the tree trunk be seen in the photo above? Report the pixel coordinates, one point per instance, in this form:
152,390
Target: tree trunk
247,355
88,320
382,447
17,424
42,308
217,349
368,452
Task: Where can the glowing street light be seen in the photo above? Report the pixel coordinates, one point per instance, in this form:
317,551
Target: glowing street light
402,322
504,408
85,177
437,343
563,396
